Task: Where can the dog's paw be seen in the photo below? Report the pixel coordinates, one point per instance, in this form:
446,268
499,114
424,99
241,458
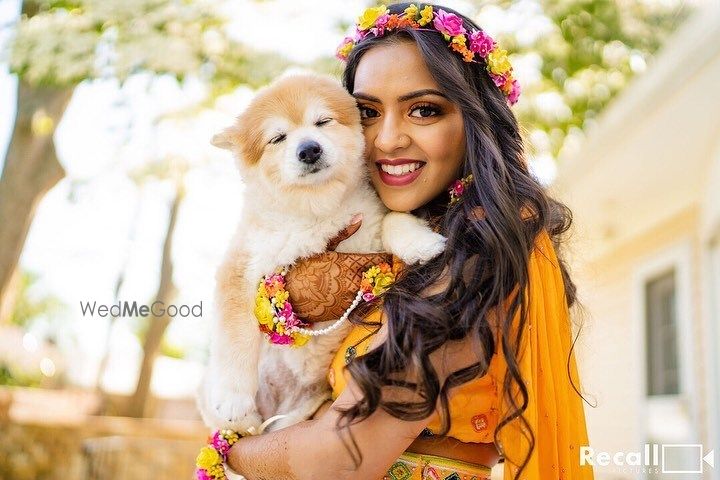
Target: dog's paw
410,238
422,248
226,408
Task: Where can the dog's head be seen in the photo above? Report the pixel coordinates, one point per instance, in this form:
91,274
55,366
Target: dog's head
301,130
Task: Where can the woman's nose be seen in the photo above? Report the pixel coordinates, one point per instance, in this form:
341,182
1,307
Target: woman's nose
390,136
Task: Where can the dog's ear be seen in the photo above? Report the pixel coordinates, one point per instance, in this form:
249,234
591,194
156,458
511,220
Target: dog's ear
227,138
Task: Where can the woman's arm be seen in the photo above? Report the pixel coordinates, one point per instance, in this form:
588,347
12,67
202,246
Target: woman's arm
313,449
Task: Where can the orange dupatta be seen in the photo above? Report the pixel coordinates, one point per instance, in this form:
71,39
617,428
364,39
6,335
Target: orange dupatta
555,410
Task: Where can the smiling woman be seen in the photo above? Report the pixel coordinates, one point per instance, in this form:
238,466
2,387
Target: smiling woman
403,110
468,357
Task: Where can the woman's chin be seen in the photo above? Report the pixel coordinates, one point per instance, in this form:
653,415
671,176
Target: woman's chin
403,199
400,201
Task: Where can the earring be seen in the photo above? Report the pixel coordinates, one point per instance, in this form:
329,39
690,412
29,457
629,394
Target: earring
458,188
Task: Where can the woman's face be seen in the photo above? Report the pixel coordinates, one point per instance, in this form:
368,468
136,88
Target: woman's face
414,135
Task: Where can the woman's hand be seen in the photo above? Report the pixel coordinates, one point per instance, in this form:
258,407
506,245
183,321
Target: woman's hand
323,286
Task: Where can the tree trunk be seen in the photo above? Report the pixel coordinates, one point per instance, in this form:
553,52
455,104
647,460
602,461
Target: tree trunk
119,282
137,404
31,169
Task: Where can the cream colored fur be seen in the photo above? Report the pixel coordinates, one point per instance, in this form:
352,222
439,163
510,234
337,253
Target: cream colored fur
289,213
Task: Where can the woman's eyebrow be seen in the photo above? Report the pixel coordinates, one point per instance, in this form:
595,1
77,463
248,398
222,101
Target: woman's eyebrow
401,98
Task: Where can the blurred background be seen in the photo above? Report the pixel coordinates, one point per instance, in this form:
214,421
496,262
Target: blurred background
111,192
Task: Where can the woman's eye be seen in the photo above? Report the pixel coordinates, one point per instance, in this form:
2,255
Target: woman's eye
323,121
424,111
367,112
278,138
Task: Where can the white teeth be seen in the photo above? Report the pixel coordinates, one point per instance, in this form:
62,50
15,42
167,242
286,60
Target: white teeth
400,169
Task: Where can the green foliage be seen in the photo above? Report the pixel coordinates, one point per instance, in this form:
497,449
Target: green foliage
593,50
14,377
63,42
141,326
171,350
28,307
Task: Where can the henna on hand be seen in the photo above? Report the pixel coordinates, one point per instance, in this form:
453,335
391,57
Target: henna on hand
323,286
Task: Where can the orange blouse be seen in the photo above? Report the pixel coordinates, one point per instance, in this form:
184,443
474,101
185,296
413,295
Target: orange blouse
555,411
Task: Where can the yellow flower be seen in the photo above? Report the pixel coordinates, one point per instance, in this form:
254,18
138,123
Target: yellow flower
459,39
230,436
207,458
384,280
280,297
279,328
426,15
367,19
345,50
498,61
372,272
217,472
263,311
300,339
411,11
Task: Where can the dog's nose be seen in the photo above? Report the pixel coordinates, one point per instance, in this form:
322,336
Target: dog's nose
309,152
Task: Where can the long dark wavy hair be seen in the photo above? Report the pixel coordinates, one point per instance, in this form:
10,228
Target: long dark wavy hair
495,246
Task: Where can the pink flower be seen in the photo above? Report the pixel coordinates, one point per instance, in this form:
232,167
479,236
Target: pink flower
359,34
380,23
220,444
368,296
291,321
514,93
278,339
201,474
481,43
498,79
286,310
448,23
276,278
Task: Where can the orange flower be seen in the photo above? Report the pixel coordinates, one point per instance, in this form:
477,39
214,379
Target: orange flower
392,22
384,267
468,55
507,86
405,22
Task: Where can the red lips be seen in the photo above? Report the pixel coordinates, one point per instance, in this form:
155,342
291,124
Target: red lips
398,180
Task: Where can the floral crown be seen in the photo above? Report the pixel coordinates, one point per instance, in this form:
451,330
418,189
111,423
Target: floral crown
377,21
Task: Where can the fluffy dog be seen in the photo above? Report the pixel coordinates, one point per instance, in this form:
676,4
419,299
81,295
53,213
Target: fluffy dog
299,148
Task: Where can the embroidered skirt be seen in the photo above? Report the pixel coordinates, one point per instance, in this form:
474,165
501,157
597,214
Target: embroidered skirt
414,466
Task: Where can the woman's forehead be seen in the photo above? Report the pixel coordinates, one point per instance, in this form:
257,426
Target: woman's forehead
390,70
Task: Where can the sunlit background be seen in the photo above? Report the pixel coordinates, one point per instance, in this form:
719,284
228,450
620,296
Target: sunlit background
111,192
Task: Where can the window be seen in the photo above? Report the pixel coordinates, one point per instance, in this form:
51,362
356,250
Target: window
663,376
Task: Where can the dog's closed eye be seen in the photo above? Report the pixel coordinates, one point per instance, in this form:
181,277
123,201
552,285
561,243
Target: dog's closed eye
323,121
278,138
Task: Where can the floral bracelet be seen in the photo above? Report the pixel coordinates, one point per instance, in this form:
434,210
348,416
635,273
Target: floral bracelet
210,462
